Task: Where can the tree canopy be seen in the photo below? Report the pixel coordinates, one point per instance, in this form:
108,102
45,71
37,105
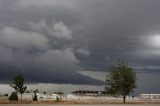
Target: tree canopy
120,80
18,84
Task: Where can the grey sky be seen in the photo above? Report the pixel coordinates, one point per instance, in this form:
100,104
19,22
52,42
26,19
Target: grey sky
52,41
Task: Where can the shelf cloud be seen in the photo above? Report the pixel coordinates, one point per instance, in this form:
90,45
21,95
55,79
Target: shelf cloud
55,41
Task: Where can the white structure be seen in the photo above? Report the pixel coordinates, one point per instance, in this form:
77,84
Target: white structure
85,97
40,96
55,96
72,96
47,97
28,96
149,96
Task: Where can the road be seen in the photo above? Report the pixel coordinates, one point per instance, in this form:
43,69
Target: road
80,105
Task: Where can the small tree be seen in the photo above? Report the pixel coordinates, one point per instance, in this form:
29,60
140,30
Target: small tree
57,99
120,80
18,84
13,96
44,92
35,98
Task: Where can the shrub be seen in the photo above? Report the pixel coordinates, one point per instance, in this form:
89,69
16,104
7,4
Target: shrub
35,97
13,96
57,99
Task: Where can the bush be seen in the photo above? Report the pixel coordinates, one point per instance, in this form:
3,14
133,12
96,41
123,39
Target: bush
13,96
57,99
35,97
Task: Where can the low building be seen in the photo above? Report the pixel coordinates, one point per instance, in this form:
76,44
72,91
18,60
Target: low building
25,96
89,93
47,96
149,96
40,96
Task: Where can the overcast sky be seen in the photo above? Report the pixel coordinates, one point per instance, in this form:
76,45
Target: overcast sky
66,41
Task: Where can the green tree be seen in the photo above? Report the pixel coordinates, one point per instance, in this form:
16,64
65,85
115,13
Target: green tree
35,95
44,92
13,96
120,80
18,84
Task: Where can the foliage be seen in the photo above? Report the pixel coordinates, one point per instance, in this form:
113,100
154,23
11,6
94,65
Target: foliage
35,95
18,84
120,80
13,96
57,99
44,92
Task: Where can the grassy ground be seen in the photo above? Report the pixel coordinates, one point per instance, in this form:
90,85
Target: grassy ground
82,102
79,105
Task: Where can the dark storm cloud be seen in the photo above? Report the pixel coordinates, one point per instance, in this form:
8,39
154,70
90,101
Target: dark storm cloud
50,40
122,29
38,44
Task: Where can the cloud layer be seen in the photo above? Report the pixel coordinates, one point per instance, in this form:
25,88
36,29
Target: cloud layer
49,41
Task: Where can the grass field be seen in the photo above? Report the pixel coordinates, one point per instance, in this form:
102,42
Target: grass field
84,102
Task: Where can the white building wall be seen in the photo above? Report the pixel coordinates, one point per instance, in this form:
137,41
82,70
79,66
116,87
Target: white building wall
149,96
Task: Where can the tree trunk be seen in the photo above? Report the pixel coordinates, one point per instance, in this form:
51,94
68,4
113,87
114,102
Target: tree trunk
124,98
21,98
